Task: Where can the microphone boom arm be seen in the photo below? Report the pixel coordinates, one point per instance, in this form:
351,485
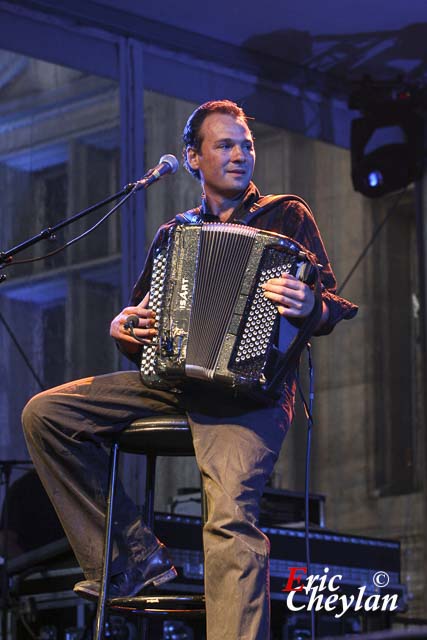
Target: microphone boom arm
167,164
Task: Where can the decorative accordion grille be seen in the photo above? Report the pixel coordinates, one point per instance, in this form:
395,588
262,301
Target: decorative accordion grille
260,316
158,279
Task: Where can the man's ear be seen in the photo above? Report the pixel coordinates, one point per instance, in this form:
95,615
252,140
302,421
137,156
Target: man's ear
193,158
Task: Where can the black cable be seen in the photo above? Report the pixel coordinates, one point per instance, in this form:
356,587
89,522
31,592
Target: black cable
27,627
21,351
308,409
372,240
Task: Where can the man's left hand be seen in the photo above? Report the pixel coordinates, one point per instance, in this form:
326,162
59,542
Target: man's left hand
292,297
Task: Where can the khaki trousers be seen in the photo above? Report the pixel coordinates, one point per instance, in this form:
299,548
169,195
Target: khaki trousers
236,444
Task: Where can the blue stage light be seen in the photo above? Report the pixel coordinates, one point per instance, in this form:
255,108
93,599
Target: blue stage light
375,179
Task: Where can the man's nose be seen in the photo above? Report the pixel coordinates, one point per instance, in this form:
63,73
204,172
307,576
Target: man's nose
238,154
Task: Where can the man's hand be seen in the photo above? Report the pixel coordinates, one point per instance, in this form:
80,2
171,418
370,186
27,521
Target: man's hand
144,331
292,297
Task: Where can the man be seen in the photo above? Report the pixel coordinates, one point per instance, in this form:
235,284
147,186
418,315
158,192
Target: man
236,442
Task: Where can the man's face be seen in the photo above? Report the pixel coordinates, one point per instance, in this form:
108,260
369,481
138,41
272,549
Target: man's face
226,158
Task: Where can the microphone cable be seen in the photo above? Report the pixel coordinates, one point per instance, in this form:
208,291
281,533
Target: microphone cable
372,239
79,237
21,351
308,410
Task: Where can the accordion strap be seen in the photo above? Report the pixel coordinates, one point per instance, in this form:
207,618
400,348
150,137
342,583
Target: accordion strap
192,216
261,206
265,203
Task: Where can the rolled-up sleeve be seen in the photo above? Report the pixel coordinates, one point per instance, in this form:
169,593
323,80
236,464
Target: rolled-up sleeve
304,229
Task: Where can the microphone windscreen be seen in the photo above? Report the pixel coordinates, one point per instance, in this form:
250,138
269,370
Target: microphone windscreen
171,161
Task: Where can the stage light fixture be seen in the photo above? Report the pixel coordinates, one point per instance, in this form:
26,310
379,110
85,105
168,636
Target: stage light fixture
380,167
387,141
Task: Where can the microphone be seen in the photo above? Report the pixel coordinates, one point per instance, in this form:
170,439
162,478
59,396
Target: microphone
167,164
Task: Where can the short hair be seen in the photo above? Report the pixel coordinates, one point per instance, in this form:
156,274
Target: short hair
191,135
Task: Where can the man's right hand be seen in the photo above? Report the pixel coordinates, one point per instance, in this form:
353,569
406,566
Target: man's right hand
145,330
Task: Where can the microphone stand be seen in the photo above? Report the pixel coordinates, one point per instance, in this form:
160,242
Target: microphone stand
6,467
6,257
168,164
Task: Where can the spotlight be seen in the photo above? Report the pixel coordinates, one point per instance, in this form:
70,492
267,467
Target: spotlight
387,141
386,153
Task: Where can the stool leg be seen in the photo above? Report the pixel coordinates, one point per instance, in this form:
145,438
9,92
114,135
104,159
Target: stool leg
100,612
150,478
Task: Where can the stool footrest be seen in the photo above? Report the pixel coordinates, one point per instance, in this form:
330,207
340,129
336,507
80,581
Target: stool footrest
185,605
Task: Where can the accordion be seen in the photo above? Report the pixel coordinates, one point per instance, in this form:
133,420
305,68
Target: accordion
214,322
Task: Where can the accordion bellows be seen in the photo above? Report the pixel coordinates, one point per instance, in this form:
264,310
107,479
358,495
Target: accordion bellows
214,321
